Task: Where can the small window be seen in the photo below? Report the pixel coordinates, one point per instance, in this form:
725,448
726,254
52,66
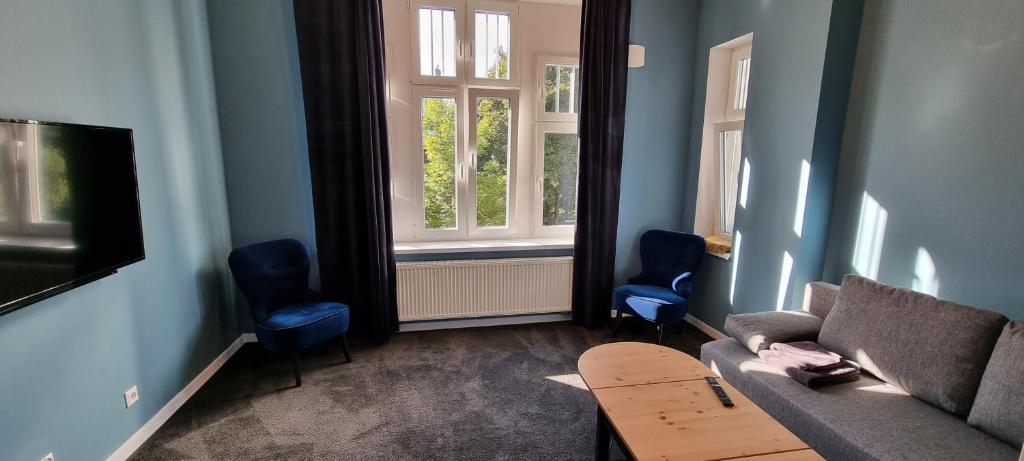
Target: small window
729,142
437,41
738,83
492,51
559,88
558,143
439,134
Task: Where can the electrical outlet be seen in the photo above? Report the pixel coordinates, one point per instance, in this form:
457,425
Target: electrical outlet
131,396
48,457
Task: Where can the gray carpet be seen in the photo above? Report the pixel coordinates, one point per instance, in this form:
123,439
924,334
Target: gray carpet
474,394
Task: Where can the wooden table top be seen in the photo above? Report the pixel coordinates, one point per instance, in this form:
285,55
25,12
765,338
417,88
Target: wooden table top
661,407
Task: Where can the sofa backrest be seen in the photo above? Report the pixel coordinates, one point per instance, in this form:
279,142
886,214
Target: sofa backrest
935,350
999,406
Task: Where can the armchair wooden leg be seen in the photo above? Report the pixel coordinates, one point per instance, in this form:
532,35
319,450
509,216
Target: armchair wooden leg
295,368
661,331
618,323
344,347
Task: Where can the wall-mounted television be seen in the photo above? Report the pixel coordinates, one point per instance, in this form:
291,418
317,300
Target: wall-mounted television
69,208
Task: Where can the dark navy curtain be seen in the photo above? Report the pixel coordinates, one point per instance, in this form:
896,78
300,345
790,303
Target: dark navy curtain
341,55
604,49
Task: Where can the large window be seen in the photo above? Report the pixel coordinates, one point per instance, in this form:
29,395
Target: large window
469,177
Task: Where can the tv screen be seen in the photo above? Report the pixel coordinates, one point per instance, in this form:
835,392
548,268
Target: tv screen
69,208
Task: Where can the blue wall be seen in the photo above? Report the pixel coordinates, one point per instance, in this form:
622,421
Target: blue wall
656,132
934,135
67,360
787,119
262,121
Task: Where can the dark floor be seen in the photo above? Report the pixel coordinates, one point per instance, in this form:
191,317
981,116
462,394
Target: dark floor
474,394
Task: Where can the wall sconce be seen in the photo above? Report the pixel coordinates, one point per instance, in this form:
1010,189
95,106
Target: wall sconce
637,56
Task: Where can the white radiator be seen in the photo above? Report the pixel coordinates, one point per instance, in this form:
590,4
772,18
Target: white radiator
480,288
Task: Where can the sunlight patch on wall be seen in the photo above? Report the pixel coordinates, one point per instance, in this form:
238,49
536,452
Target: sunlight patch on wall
737,240
926,278
787,270
744,183
867,253
801,197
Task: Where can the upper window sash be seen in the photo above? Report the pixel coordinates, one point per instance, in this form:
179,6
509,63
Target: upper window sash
739,79
438,41
493,35
558,88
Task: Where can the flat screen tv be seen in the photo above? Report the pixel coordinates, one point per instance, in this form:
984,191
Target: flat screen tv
69,208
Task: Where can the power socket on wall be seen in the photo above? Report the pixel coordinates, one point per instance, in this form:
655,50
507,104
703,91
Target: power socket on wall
131,396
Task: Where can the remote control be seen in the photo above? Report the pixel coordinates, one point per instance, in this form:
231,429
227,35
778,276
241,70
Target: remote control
722,396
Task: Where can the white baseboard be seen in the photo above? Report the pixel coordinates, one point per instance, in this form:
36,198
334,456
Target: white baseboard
707,329
147,430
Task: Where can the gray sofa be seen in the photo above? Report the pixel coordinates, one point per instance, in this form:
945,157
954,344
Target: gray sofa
942,380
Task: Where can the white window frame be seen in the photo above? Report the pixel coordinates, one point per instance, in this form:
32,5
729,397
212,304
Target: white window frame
542,62
542,128
497,6
509,230
461,201
460,43
719,128
732,111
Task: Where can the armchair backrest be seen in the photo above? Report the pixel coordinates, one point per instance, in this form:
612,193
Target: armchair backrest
271,274
670,257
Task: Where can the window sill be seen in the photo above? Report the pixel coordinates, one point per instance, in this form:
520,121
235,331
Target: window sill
719,245
483,249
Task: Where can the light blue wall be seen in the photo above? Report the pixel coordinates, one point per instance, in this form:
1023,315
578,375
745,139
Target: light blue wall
262,121
934,135
784,127
657,120
65,362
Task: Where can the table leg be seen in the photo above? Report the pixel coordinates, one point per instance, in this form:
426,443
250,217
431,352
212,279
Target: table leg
604,437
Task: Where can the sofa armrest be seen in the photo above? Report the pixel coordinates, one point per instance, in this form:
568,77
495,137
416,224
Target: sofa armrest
758,331
819,297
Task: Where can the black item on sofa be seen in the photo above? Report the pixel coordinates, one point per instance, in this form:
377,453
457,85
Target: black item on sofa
341,53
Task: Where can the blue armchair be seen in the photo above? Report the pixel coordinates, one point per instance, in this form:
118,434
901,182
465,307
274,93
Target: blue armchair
660,293
289,317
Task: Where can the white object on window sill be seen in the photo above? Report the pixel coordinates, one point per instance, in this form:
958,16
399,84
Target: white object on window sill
468,246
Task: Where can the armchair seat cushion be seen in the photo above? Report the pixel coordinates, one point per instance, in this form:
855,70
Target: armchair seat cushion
297,327
648,302
654,293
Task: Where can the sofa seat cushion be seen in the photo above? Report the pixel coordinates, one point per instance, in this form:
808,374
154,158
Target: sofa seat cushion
758,331
863,420
935,350
999,407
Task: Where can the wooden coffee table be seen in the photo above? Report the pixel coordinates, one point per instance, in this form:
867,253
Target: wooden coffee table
655,402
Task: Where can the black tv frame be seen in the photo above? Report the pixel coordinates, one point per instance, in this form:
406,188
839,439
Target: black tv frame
102,273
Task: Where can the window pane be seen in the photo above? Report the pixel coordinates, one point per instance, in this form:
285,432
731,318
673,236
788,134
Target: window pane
493,117
437,42
729,156
52,186
560,154
438,131
560,89
492,43
740,86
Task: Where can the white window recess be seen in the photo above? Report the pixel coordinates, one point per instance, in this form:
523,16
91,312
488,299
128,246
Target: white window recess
719,190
